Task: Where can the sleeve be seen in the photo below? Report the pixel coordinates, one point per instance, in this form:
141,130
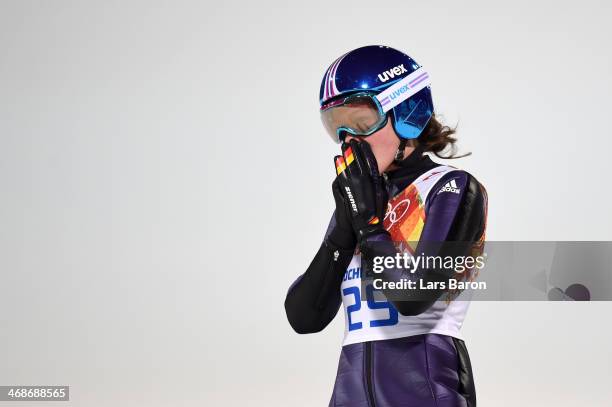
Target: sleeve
313,299
455,219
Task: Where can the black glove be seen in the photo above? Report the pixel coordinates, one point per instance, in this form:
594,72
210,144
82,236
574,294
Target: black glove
342,235
363,189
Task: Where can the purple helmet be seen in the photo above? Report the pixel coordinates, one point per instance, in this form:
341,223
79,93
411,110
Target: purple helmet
391,78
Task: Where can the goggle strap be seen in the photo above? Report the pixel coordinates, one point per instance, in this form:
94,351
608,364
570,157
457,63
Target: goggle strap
403,89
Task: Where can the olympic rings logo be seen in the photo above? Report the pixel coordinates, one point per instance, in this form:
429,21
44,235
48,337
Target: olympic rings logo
392,212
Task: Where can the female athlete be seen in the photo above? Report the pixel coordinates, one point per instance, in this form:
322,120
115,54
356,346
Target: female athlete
401,347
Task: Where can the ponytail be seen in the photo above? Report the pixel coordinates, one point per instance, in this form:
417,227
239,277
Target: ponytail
437,138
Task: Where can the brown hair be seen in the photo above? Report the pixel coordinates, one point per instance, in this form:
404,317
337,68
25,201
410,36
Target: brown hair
437,138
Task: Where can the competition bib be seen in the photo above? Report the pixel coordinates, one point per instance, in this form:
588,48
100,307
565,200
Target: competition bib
368,316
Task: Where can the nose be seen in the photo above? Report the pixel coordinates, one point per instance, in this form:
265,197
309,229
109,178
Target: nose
348,138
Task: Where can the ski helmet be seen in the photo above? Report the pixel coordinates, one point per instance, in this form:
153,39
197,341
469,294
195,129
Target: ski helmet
380,80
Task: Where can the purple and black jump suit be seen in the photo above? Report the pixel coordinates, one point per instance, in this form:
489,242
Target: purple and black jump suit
398,353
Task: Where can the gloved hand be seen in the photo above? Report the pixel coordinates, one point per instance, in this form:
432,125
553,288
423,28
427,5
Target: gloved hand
362,188
342,234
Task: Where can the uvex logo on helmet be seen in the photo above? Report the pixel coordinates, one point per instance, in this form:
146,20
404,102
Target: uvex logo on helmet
392,73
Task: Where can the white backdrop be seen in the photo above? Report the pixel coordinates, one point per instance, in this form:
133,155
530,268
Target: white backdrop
164,177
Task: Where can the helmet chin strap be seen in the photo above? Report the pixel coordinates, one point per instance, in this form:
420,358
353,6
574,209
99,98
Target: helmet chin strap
399,154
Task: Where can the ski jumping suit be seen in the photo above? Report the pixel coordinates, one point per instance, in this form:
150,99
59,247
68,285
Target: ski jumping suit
398,354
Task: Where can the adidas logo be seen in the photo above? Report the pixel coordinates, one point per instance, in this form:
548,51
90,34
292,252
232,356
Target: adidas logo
450,186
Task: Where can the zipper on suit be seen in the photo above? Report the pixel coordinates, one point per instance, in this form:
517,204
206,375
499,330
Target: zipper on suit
368,371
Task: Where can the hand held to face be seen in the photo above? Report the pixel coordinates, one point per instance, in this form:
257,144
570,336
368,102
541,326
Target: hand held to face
363,189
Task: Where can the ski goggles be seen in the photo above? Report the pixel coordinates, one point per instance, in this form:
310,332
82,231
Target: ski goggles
360,114
364,113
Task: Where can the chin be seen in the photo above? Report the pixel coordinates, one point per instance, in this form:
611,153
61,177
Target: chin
383,165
